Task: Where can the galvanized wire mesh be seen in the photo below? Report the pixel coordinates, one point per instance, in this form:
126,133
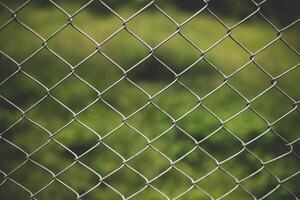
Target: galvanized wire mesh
148,183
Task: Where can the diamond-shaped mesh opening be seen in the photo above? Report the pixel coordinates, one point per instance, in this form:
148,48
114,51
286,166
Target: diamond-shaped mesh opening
250,81
277,58
176,58
106,160
281,193
56,190
74,100
97,21
29,91
247,163
209,183
195,193
149,121
265,35
29,130
196,30
217,103
70,7
288,160
39,72
73,133
176,107
290,35
119,181
54,157
292,183
232,146
284,126
99,72
149,192
250,125
13,4
66,42
168,183
150,157
16,158
262,147
7,67
238,193
125,97
12,36
202,78
9,189
288,86
8,119
142,24
127,135
100,117
151,75
290,8
126,9
125,49
50,114
172,9
228,56
230,8
54,17
149,99
196,164
101,191
254,184
199,123
77,175
41,176
179,144
272,104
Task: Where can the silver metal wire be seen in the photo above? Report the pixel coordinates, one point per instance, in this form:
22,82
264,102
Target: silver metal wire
8,178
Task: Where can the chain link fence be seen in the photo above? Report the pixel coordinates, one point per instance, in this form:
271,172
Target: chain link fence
165,125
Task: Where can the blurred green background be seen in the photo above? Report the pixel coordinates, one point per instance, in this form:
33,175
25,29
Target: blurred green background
97,120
